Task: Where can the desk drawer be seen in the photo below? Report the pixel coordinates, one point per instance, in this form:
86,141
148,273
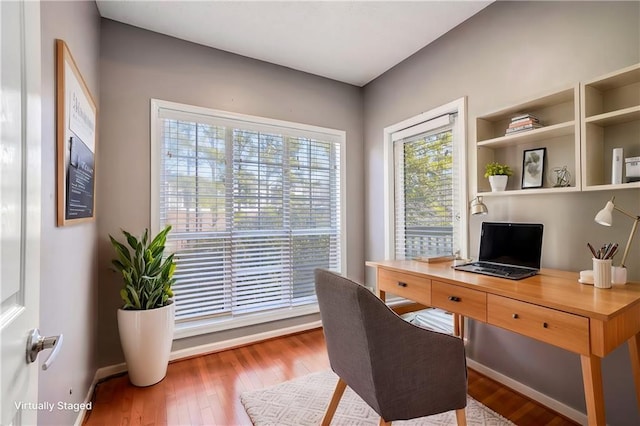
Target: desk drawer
558,328
460,300
408,286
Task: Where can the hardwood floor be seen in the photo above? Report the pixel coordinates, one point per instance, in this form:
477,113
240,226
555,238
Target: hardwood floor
206,390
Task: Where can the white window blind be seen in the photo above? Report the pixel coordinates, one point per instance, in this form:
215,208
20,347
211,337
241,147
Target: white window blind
255,208
426,189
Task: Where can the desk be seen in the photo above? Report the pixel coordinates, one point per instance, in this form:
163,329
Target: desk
551,307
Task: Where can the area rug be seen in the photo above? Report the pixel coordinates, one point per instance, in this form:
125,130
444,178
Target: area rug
303,401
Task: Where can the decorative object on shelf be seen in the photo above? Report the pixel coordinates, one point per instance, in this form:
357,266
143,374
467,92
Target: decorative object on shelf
616,166
523,123
605,217
478,207
146,320
498,175
533,167
560,177
632,169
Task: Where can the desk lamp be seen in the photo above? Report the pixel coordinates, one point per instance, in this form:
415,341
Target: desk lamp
604,217
478,207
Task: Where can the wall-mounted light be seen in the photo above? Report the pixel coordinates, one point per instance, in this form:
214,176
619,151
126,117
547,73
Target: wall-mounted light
478,207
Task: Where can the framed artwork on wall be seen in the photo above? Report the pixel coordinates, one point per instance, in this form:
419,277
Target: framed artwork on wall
76,116
533,167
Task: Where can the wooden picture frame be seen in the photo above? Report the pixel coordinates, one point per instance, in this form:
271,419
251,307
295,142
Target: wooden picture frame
76,137
533,167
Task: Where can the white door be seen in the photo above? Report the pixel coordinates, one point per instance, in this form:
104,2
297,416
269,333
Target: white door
20,135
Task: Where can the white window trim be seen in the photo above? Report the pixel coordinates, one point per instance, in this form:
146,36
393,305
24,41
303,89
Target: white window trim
215,324
459,106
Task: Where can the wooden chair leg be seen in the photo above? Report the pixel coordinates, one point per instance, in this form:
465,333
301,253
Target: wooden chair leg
333,404
461,417
383,422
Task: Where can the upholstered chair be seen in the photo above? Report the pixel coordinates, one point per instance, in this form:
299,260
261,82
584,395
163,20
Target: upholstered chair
401,370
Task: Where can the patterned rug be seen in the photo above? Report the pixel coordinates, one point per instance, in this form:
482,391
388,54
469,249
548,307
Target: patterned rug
302,402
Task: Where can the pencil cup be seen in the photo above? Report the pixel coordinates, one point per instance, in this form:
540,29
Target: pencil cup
602,273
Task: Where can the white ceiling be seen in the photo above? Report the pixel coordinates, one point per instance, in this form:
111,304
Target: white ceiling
349,41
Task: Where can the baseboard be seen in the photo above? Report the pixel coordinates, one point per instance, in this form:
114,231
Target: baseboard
531,393
111,370
241,341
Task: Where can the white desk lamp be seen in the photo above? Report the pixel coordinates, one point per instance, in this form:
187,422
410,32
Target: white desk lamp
605,217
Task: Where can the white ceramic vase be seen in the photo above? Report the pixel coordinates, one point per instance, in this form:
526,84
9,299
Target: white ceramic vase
146,337
498,182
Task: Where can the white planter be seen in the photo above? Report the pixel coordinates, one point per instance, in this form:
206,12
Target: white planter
146,338
498,182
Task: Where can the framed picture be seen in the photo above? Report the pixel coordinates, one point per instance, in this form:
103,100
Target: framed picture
533,167
76,115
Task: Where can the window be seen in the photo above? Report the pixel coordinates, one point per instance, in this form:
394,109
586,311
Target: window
255,206
426,184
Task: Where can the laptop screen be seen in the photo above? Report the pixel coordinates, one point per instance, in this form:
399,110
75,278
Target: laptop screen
511,243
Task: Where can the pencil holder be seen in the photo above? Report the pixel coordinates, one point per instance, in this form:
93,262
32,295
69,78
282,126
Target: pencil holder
602,273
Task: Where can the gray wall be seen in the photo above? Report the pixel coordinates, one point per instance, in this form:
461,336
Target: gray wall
137,65
69,284
509,52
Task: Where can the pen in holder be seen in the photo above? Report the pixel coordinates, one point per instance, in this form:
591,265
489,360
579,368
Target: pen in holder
602,273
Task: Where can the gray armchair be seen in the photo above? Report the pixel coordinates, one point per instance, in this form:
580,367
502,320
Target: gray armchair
402,371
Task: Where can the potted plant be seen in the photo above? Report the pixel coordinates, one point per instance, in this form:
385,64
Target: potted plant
498,175
146,319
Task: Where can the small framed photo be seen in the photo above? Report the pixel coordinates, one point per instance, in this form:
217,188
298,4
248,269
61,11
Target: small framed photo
533,167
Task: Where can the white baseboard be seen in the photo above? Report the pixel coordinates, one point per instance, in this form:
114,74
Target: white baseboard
565,410
104,372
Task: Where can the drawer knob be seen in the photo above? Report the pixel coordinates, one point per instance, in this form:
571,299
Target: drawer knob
454,298
515,316
401,284
545,325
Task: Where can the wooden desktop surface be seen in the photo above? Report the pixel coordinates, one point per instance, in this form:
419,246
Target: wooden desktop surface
552,307
552,288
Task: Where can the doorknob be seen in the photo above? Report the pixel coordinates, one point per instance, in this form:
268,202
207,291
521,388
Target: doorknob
37,343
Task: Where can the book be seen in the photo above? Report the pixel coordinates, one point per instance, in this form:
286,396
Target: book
435,259
524,128
522,123
524,117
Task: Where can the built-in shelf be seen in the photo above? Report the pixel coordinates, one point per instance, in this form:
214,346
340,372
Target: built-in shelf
610,116
530,191
578,135
558,113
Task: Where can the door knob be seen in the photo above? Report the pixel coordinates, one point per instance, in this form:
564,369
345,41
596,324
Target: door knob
37,343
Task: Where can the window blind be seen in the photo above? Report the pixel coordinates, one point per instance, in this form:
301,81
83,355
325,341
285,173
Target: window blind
425,186
254,211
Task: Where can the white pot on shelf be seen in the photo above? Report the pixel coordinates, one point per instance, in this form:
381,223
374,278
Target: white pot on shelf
146,337
498,182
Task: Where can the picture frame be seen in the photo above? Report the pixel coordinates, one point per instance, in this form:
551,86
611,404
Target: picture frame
533,167
76,137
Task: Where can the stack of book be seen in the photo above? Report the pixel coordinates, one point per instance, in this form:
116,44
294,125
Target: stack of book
523,123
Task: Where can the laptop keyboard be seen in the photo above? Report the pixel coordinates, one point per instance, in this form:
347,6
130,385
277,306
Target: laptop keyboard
504,271
501,270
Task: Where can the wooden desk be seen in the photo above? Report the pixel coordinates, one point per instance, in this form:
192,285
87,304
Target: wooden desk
551,307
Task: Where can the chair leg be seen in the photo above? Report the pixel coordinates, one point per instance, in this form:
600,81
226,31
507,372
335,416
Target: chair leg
461,417
333,404
383,422
458,325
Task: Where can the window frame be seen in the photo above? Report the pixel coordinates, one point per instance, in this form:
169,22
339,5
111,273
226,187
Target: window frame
459,107
209,325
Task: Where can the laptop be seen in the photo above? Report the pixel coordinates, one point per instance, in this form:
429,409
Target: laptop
508,250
